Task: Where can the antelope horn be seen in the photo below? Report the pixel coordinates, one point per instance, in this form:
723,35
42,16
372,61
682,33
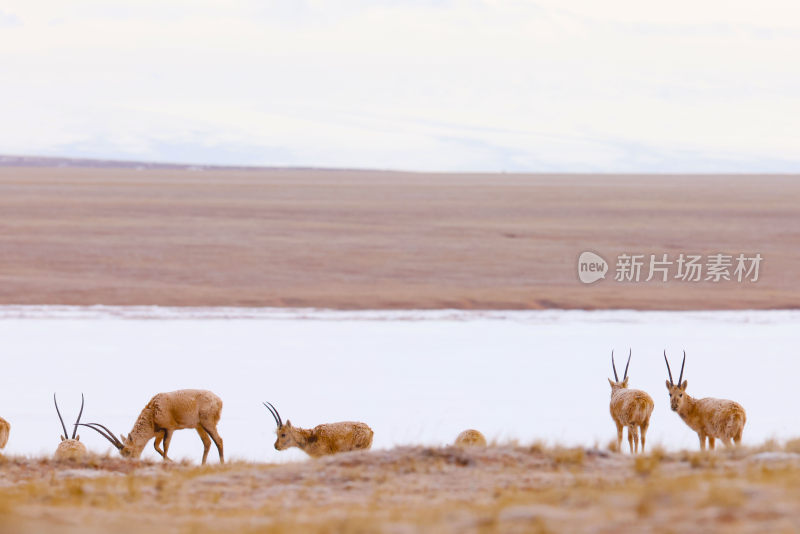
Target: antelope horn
78,421
671,383
271,412
680,378
630,351
274,413
59,416
616,378
110,436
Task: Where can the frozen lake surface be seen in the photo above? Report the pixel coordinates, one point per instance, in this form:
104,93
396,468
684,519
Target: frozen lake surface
416,377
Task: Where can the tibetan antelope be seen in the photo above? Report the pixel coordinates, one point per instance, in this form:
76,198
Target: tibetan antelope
710,418
5,429
470,438
70,448
629,408
166,413
322,439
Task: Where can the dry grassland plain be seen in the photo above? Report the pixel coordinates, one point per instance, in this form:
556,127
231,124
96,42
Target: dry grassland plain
383,240
416,489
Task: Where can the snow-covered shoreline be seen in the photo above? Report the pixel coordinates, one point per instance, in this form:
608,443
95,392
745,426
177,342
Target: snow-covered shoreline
416,377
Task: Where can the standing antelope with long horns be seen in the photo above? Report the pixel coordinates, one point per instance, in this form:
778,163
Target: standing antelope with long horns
166,413
629,408
5,430
70,448
322,439
710,418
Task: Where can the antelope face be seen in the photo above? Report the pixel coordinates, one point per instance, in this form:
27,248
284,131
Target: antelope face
676,394
129,448
286,437
286,434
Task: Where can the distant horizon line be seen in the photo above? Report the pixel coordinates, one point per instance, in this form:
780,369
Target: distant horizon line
16,160
538,316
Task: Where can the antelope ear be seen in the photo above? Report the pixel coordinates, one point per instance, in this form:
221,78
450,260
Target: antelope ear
62,438
610,383
77,438
667,383
288,423
683,386
123,438
625,382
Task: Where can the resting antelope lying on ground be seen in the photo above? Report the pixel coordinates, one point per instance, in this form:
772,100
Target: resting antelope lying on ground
70,448
470,438
322,439
710,418
5,429
629,408
166,413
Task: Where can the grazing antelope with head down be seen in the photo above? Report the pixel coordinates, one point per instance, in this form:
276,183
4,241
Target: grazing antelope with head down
70,448
166,413
629,408
322,439
5,429
710,418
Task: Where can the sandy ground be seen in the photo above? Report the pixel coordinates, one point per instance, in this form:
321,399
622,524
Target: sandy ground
359,239
498,489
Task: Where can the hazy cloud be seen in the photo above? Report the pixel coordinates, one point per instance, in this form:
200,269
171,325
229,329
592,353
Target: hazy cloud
9,20
443,85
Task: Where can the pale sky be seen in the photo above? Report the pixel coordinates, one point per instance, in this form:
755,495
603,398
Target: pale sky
461,85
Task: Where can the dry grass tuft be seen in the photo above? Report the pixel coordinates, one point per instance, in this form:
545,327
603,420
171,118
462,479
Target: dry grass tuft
770,445
646,464
724,496
703,459
572,456
537,447
793,445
